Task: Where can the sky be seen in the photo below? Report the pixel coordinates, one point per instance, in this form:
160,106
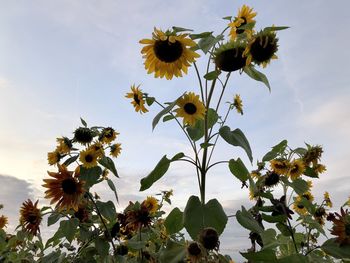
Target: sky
62,60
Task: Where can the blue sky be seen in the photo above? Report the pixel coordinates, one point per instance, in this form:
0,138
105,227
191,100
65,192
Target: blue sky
62,60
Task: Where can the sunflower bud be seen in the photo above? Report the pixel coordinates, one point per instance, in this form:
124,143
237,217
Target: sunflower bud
209,238
83,135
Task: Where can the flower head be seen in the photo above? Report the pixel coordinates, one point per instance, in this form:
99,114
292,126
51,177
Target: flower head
3,221
168,54
245,16
116,150
230,56
53,157
30,217
108,135
296,169
237,103
327,199
83,135
279,166
151,204
341,227
137,99
195,251
64,145
64,189
190,108
209,238
271,179
88,158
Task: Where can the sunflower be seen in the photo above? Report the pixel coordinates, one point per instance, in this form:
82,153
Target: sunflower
83,213
64,189
313,154
237,103
30,217
320,168
195,252
168,54
296,169
245,16
190,108
137,99
53,157
209,238
327,199
116,150
108,135
88,158
341,227
299,207
98,149
262,48
279,166
151,204
83,135
64,145
320,214
271,179
230,56
3,221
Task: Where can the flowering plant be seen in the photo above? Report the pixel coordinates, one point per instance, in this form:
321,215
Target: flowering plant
285,224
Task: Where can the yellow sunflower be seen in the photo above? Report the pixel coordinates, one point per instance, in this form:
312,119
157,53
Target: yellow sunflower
64,145
296,169
108,135
137,99
30,217
190,108
65,189
168,54
116,149
237,103
299,207
97,147
3,221
245,16
151,204
320,168
327,199
279,166
88,158
53,157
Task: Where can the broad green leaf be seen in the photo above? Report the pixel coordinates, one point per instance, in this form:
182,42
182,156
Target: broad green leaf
300,186
205,44
168,118
112,186
68,228
238,169
108,163
236,138
174,221
163,112
102,247
71,160
284,229
274,219
269,238
150,100
180,29
295,258
267,255
90,175
83,122
197,131
107,209
158,172
201,35
212,75
173,253
214,216
257,75
53,218
310,172
137,244
276,150
247,220
301,151
52,257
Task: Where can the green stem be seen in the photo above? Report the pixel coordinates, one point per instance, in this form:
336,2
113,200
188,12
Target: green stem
200,81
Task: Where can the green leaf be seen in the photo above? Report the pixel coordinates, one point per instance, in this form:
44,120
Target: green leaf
53,218
174,221
150,100
168,118
301,151
266,255
284,229
90,175
137,244
310,172
247,220
276,150
112,187
102,247
197,216
248,26
107,210
52,257
173,253
227,18
236,138
163,112
83,122
158,172
68,228
180,29
108,163
295,258
205,44
71,160
197,131
269,238
275,28
274,219
212,75
238,169
201,35
300,186
257,75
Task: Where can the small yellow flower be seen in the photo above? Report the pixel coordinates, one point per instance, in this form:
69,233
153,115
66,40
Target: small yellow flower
137,99
309,184
320,168
296,169
64,145
53,157
108,135
237,103
327,199
97,147
151,204
88,158
3,221
245,16
116,150
279,166
190,108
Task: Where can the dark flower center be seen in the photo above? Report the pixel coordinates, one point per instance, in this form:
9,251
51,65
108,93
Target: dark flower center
69,186
231,59
166,51
209,238
272,179
89,158
306,196
300,206
280,165
263,48
136,99
347,229
32,219
295,169
194,249
190,108
83,135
